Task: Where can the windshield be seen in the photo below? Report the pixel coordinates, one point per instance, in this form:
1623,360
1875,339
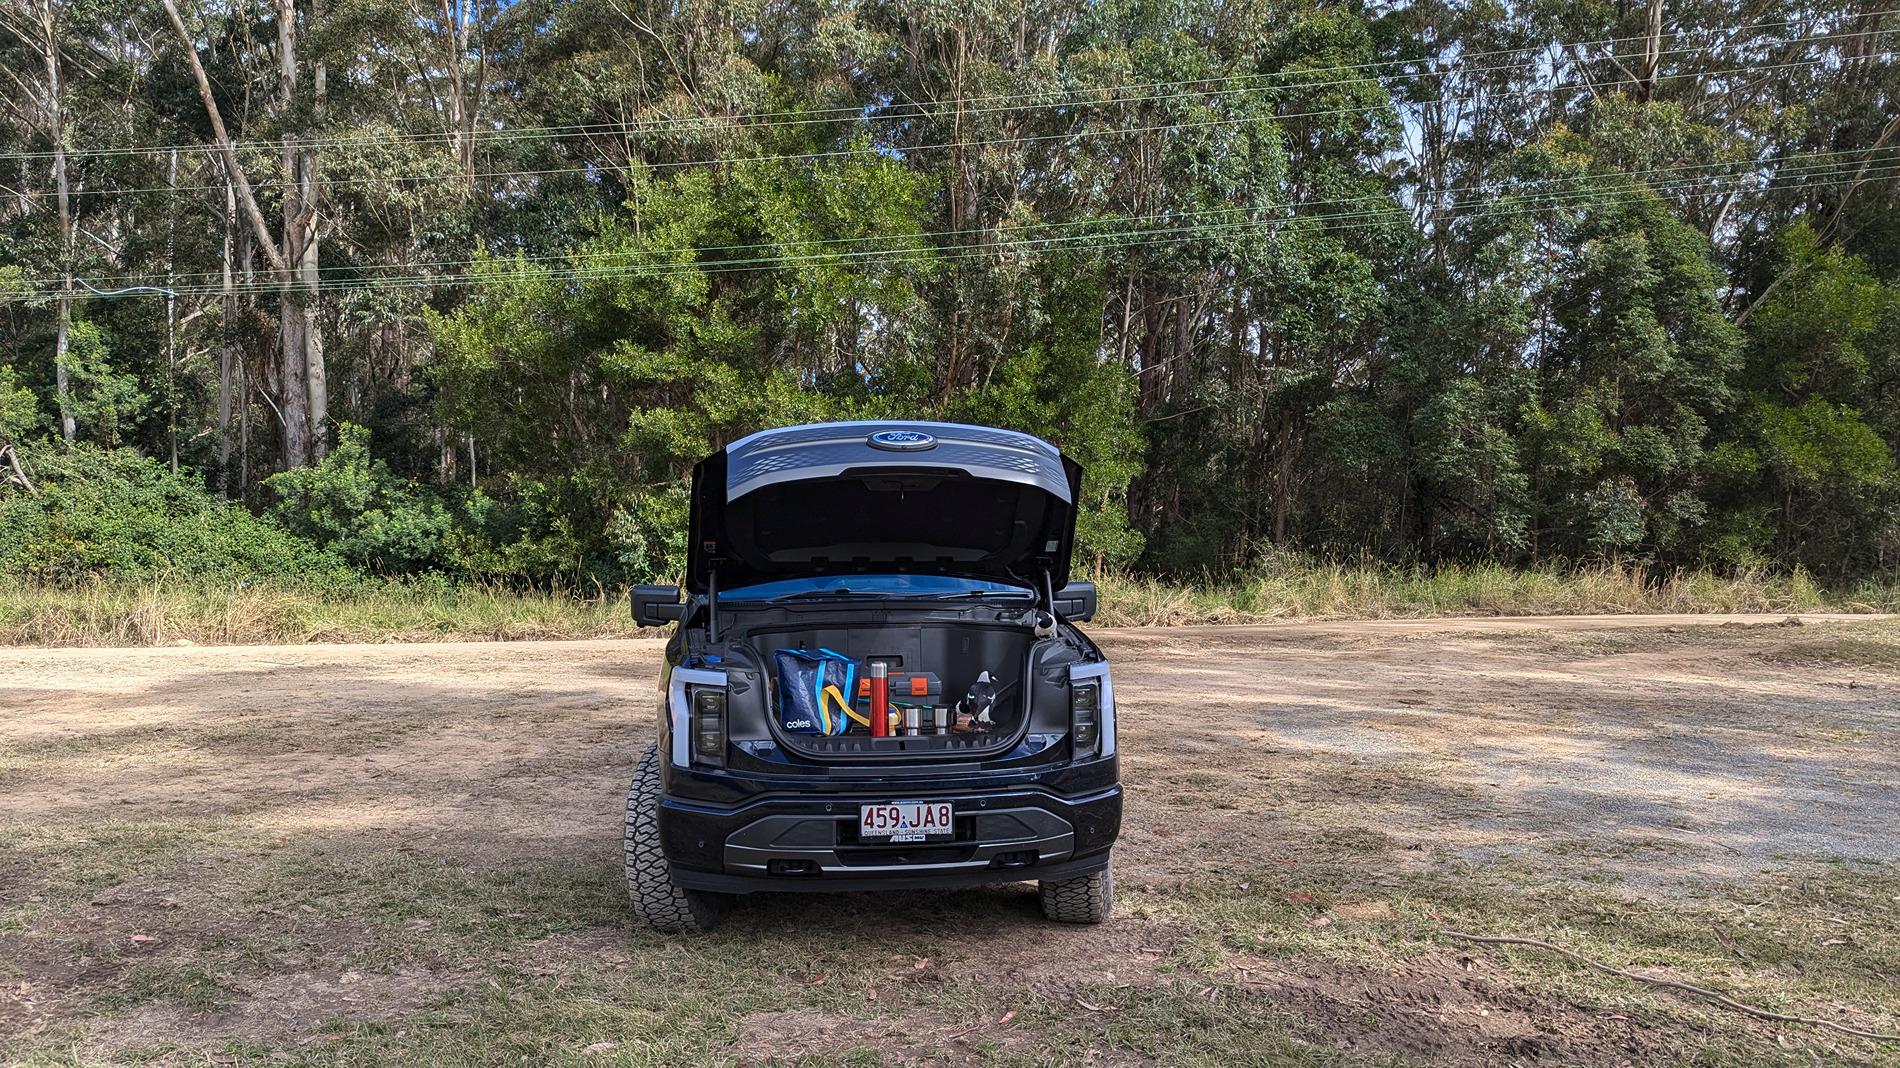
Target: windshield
927,586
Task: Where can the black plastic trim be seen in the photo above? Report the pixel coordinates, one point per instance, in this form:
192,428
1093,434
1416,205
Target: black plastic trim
806,884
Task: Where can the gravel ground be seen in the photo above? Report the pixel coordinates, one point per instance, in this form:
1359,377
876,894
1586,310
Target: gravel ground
267,853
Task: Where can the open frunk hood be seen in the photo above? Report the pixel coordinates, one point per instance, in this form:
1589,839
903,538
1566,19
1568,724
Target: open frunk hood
883,498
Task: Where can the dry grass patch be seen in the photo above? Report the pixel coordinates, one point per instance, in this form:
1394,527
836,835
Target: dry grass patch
1293,588
1815,940
1874,646
167,612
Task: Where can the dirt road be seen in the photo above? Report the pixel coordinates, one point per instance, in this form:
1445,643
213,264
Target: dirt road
325,852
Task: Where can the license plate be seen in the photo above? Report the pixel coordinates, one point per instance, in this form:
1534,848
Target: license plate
906,821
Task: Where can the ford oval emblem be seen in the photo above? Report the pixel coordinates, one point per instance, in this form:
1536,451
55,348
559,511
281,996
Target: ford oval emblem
902,440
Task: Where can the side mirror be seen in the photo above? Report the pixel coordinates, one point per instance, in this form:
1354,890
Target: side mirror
656,606
1076,602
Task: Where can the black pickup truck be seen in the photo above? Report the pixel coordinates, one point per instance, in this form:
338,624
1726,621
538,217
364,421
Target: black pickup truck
876,680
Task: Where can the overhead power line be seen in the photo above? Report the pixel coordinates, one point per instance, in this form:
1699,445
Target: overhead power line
1073,97
664,261
898,151
1517,203
1846,156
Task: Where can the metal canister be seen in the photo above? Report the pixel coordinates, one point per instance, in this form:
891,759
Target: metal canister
913,720
941,714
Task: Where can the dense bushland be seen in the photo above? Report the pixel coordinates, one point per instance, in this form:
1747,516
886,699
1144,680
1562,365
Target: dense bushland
1438,287
93,512
108,547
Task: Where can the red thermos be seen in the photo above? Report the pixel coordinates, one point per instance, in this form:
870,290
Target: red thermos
880,699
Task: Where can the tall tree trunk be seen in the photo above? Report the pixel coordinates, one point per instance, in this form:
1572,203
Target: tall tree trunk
244,431
445,462
56,120
292,318
247,367
309,163
285,260
464,102
1652,51
1282,487
310,303
247,199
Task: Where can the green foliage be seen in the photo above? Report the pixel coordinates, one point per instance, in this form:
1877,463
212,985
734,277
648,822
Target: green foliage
113,512
105,402
1818,332
19,409
1285,278
1473,464
1810,475
668,355
1064,392
648,538
1819,445
351,505
525,537
1636,359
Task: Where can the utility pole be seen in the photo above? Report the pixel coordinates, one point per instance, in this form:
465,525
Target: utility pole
227,340
171,308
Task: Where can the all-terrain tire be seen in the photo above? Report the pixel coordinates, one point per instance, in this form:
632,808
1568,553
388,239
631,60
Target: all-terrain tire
1085,899
660,904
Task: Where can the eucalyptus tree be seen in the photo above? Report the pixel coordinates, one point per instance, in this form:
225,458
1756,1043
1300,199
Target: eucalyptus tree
1427,280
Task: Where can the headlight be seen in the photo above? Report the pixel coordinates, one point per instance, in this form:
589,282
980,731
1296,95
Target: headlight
709,723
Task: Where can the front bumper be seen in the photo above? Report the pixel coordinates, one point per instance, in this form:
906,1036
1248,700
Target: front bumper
809,842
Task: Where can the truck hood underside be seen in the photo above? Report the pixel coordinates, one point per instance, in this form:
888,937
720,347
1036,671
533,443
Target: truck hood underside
883,498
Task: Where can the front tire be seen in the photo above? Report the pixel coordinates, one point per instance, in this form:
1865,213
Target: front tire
656,900
1084,899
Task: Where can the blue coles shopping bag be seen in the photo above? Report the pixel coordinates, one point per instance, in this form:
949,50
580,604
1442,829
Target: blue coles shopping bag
813,690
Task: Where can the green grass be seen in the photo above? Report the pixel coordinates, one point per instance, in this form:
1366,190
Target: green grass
173,610
156,982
